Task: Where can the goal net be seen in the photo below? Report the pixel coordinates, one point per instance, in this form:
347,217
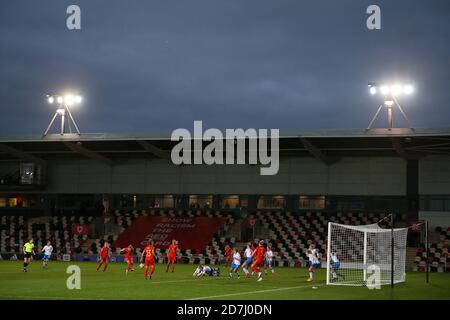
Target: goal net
356,252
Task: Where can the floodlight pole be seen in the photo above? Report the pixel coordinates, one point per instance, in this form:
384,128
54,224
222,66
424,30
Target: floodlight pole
389,104
62,109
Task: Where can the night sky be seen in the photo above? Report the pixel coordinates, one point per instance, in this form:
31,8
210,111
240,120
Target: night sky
153,66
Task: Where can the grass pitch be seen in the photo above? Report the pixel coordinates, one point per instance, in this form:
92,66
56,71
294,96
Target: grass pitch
286,284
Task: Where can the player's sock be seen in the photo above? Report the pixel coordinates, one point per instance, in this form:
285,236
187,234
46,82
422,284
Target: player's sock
146,272
245,270
106,266
153,270
99,265
259,274
173,267
311,275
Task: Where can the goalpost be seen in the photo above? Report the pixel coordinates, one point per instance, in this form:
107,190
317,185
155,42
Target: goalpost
362,250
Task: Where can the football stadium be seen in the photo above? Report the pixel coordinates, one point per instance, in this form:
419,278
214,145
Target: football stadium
262,152
82,191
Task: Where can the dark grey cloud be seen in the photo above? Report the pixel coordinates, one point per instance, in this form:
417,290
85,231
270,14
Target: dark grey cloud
153,66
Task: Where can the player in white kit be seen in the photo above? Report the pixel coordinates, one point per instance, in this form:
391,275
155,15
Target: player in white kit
48,249
248,255
314,262
335,265
236,263
268,263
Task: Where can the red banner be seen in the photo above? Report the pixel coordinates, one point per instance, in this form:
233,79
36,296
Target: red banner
192,233
80,229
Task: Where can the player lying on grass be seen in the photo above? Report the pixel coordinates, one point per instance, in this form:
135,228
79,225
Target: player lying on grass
28,251
314,263
104,256
236,263
47,250
172,255
268,263
128,256
205,270
258,259
248,255
150,257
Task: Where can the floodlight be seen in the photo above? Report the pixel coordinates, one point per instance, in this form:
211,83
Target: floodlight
69,99
63,111
396,89
408,89
384,89
390,91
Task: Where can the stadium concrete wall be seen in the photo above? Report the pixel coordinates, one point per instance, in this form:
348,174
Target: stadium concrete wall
308,176
435,218
434,175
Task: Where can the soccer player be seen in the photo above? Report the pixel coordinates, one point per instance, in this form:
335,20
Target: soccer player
236,263
258,259
228,255
28,250
199,271
104,256
248,255
314,263
128,255
205,270
269,260
335,265
172,255
149,252
48,249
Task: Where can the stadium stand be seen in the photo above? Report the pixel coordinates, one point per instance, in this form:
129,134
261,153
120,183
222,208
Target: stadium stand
438,254
289,234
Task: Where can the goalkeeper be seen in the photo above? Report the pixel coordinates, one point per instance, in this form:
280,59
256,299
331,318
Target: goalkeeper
335,265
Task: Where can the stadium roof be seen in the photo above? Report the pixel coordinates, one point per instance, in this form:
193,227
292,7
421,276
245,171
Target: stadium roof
327,145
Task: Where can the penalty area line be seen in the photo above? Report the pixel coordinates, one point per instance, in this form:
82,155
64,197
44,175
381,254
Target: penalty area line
256,291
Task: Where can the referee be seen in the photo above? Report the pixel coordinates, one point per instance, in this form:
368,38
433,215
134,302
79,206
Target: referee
28,250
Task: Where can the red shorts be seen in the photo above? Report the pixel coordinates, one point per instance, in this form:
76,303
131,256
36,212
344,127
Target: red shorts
149,262
129,259
104,258
171,258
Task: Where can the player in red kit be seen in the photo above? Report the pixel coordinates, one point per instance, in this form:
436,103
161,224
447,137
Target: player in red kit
128,255
104,253
172,255
149,252
258,259
228,254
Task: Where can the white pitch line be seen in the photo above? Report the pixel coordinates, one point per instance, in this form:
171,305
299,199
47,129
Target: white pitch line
48,298
251,292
